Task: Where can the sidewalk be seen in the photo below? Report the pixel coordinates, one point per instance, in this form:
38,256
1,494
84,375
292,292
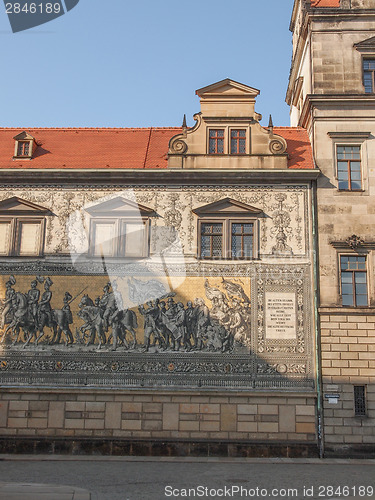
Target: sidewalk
21,491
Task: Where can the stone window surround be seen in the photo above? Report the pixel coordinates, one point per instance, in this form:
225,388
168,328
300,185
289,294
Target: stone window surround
227,139
15,235
351,139
369,265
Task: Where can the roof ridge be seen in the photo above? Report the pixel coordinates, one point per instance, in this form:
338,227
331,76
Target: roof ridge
90,128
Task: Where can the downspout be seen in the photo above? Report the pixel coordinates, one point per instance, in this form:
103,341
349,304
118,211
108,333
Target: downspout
318,357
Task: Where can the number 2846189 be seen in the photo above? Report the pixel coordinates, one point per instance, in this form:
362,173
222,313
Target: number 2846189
33,8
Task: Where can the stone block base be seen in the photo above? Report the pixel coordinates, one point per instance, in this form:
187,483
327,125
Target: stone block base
181,448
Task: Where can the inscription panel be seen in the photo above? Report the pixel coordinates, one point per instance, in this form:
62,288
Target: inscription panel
281,320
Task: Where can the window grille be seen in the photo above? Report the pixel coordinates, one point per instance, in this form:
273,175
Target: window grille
359,400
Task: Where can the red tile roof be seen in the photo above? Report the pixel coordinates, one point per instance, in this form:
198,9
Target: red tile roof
299,146
91,148
117,148
325,3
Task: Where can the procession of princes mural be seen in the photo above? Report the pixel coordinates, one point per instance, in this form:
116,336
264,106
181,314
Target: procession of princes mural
158,322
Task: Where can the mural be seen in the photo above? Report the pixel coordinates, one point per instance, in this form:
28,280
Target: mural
218,322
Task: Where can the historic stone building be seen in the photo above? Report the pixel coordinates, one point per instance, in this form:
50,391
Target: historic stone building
158,286
331,94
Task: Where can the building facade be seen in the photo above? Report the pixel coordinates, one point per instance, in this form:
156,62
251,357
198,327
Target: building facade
331,94
158,286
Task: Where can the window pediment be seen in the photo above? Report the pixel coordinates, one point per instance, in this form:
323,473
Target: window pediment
17,206
120,207
366,45
229,207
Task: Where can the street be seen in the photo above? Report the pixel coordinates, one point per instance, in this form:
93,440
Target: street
128,478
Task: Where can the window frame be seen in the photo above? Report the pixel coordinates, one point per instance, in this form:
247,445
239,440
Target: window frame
363,412
217,129
120,237
238,129
364,59
227,223
349,161
15,235
358,139
353,271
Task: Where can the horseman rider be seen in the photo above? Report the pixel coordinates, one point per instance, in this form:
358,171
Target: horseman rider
44,306
33,296
103,303
10,296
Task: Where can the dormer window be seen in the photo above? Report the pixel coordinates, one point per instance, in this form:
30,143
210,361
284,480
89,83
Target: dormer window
25,146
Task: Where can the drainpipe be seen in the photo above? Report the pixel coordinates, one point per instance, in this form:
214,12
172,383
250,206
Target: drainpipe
318,357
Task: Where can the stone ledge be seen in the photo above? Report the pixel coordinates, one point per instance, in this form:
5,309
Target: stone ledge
350,451
139,447
352,311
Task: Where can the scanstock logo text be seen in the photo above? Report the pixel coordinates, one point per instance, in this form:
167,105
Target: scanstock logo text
26,14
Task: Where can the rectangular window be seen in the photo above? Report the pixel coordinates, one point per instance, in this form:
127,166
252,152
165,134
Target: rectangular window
216,141
23,148
212,240
104,238
359,400
119,238
369,75
133,239
242,240
5,239
237,142
19,236
353,280
349,168
29,238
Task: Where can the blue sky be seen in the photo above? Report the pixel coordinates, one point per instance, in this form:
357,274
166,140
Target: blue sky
114,63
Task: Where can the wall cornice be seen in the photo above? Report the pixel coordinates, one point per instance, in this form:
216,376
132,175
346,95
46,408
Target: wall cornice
170,177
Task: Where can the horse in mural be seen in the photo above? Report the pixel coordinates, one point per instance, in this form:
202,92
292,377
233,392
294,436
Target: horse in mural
121,321
21,319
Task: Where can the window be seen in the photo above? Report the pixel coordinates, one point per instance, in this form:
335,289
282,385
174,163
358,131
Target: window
119,238
119,227
227,229
353,280
242,240
237,142
22,227
212,240
25,145
349,168
216,141
227,239
359,400
21,236
369,75
23,148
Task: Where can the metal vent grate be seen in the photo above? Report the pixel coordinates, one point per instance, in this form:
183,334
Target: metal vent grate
359,400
